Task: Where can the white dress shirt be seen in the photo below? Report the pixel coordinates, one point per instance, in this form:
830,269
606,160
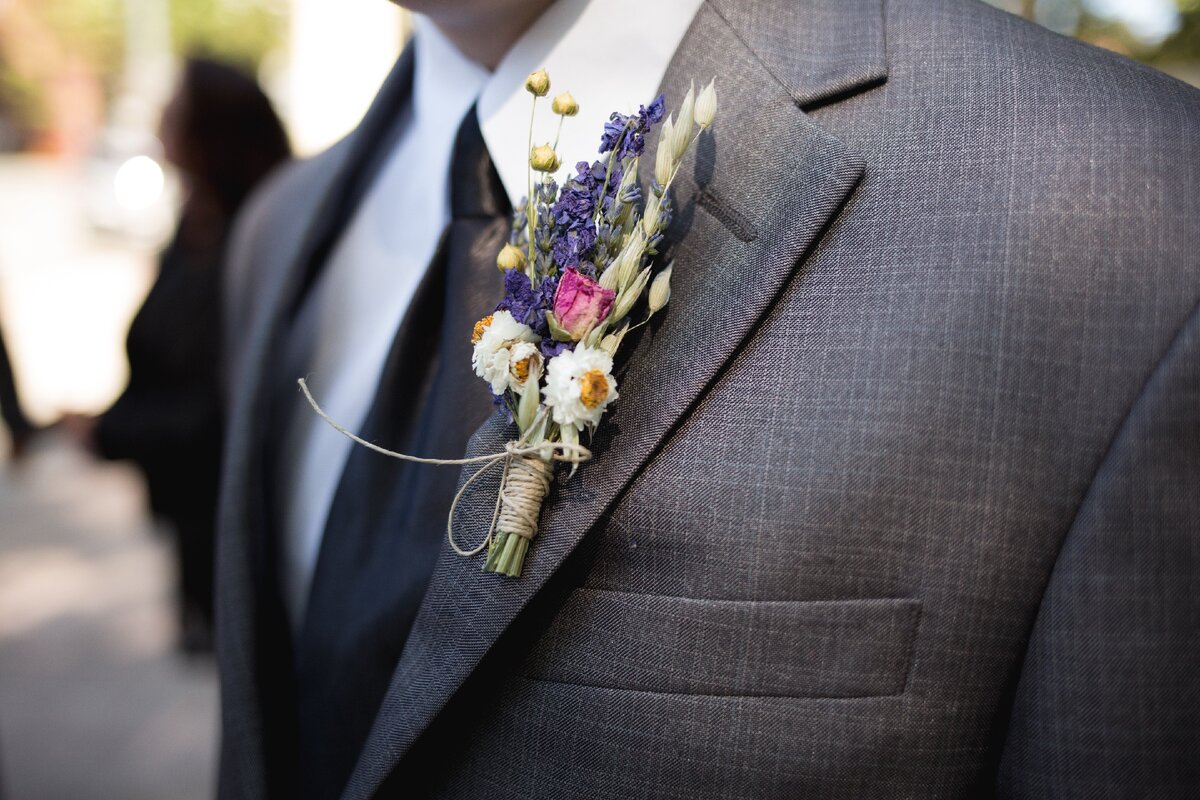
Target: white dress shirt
373,271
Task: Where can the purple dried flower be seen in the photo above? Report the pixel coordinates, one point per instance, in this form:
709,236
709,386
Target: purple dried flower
499,401
519,298
550,348
627,135
571,246
526,304
573,215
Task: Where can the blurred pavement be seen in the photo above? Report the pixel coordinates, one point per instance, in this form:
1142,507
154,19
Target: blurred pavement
94,702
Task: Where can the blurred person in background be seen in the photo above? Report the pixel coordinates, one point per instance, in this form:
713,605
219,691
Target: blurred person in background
222,134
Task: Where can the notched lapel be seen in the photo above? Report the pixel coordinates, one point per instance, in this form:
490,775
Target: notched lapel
244,513
755,199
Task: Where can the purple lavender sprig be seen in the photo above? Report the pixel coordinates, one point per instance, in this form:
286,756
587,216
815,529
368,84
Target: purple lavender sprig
626,135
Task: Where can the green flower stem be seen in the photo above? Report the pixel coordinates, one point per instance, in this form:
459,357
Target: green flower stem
529,205
494,551
514,555
561,118
507,554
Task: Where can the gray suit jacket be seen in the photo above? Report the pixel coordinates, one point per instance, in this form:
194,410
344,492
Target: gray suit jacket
901,498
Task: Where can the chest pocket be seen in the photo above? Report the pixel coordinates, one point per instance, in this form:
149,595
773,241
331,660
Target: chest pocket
750,648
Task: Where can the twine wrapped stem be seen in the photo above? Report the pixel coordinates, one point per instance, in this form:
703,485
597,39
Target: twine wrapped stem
525,485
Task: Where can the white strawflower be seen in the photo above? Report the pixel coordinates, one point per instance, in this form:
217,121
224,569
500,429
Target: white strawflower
494,338
524,362
579,386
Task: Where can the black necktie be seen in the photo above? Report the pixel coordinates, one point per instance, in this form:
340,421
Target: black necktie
388,518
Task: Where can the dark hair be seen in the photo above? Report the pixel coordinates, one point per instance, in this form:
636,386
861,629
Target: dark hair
227,136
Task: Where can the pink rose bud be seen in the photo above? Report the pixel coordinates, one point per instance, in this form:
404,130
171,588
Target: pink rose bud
581,303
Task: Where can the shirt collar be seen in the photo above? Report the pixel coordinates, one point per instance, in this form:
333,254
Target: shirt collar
445,82
610,54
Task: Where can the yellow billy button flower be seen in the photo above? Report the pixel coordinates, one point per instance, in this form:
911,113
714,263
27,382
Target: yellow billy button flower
480,328
565,105
593,388
510,257
543,158
538,83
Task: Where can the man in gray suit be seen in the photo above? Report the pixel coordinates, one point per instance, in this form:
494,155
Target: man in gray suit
901,498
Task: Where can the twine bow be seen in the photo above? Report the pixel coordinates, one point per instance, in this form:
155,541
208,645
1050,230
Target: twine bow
519,500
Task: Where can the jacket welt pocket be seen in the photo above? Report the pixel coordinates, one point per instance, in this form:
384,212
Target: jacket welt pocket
750,648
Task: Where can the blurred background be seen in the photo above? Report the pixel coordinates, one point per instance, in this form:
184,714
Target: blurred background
107,688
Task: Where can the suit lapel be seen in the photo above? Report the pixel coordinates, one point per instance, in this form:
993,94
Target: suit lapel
348,181
755,199
339,184
340,194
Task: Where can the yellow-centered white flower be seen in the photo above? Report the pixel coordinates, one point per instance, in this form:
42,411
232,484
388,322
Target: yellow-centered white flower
524,363
495,337
579,386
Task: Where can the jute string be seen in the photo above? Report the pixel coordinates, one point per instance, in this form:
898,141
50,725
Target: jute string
523,484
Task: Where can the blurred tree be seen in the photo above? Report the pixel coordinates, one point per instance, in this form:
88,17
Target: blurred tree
91,29
238,30
1184,44
39,38
1107,23
242,31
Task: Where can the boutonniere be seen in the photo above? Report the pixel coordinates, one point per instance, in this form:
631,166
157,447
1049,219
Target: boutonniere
580,274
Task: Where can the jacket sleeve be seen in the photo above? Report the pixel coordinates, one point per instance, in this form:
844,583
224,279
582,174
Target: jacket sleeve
1108,701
